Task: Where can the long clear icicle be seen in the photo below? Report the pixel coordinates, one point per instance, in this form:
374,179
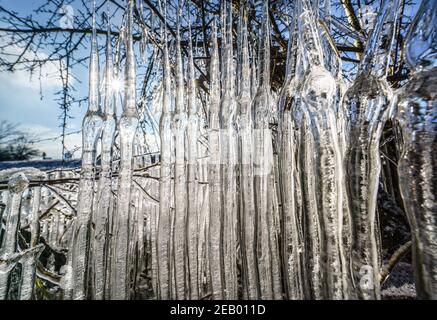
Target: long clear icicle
250,280
128,124
10,253
214,178
179,127
269,268
345,229
91,127
3,201
34,224
228,143
324,172
367,106
417,103
193,222
308,158
30,260
164,222
104,193
17,183
293,251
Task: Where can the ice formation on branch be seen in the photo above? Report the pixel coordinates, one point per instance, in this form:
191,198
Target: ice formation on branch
164,220
266,202
127,127
91,129
214,178
247,205
417,115
367,104
193,212
179,127
293,249
255,193
103,215
228,151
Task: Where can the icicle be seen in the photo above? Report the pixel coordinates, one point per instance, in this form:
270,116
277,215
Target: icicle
110,253
245,126
44,231
214,178
34,224
223,47
179,127
91,126
293,251
290,64
229,158
192,156
154,192
101,238
3,200
18,182
29,260
6,266
94,99
117,53
141,239
343,134
66,270
144,33
322,196
133,231
128,124
264,180
53,229
61,229
238,71
417,167
253,76
334,65
164,221
367,106
330,54
143,42
321,167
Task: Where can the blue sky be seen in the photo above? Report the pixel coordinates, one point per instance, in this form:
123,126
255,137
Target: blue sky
20,98
21,103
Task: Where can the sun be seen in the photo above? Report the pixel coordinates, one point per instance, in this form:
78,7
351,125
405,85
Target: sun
116,85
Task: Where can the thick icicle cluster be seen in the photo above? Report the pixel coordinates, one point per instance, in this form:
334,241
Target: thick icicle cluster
127,127
91,127
101,255
14,259
232,208
367,107
103,218
265,194
417,115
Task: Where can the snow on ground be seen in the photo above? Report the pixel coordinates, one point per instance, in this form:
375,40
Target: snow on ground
48,164
400,284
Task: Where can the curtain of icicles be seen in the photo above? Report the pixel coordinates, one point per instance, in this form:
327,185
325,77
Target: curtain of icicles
233,209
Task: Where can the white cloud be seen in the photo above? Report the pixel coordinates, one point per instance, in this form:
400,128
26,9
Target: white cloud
49,72
41,130
48,140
